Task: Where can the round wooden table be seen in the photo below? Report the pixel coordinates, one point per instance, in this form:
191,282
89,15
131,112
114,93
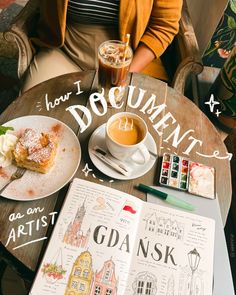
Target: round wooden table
166,111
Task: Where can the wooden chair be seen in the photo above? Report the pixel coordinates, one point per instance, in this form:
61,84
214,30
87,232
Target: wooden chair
181,58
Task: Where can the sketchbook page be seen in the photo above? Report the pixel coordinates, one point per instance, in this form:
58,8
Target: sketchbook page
174,253
91,245
223,283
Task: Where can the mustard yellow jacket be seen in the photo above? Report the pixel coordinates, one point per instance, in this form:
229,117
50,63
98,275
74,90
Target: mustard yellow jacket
152,22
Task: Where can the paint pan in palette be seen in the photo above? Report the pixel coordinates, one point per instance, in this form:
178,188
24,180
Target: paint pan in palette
174,171
181,173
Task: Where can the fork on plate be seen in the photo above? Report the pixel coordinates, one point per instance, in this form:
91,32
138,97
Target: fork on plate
16,175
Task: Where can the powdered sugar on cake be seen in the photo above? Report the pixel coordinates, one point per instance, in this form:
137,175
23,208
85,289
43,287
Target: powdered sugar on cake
41,155
35,150
30,140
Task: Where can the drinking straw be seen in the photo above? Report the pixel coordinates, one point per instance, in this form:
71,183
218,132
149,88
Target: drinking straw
127,38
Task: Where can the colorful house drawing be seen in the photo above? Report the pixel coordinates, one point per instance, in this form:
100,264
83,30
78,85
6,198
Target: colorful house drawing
81,276
105,282
74,234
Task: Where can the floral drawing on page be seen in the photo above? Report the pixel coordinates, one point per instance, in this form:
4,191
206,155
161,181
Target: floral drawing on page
54,270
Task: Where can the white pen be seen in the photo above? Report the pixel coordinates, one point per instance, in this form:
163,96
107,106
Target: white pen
111,161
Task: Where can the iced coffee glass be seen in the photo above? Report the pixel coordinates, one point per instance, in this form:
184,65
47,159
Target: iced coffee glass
114,58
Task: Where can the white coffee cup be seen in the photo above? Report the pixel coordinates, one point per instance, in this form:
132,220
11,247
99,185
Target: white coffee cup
126,134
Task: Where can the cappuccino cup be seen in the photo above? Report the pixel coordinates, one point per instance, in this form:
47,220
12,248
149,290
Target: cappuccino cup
126,134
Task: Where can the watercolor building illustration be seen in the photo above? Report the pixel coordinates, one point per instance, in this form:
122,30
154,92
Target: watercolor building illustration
74,234
83,280
105,282
163,226
145,284
81,275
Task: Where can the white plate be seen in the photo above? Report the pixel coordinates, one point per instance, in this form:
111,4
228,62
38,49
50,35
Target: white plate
98,138
34,185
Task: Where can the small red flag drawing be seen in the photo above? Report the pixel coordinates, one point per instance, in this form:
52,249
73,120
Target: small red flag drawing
130,207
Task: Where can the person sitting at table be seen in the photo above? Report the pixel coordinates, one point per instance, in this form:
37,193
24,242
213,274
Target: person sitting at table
69,33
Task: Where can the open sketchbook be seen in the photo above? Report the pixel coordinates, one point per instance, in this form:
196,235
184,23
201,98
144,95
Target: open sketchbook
108,242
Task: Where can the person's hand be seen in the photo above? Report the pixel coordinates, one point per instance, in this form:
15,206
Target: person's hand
142,57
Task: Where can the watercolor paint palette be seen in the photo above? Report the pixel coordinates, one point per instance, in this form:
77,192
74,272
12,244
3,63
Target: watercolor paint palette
181,173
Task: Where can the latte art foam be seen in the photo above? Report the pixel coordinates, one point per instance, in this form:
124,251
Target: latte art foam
126,130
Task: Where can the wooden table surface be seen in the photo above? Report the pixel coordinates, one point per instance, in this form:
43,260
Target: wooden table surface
186,114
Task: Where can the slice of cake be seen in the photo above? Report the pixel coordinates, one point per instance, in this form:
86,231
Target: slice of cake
35,151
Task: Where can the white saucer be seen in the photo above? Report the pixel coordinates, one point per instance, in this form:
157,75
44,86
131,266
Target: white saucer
98,138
